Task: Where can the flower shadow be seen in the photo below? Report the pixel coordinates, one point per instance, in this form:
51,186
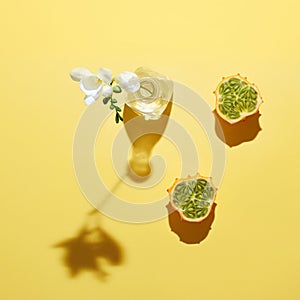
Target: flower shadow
190,232
89,248
236,134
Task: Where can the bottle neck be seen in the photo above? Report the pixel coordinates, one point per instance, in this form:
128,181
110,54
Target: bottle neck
149,89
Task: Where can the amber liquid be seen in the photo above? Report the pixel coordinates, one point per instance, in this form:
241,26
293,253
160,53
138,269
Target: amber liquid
151,110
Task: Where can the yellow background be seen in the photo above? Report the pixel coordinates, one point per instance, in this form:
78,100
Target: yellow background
252,251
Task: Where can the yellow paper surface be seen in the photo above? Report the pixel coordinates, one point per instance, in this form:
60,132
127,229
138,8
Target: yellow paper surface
252,250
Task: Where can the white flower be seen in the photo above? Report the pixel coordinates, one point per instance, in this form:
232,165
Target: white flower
128,81
107,91
93,84
78,73
105,75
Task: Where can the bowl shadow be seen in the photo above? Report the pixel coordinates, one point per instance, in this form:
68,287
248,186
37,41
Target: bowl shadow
241,132
190,232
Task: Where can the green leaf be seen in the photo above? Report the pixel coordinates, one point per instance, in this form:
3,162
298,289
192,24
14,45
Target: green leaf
120,118
118,108
112,107
106,99
114,100
117,118
117,89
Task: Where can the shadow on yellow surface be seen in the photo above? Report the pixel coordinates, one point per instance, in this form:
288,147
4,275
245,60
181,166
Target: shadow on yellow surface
142,145
89,247
190,232
236,134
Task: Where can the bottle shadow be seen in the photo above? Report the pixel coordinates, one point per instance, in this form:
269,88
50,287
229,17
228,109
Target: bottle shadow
190,232
236,134
89,248
143,139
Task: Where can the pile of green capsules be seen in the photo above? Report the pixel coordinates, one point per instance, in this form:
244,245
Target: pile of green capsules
236,97
193,197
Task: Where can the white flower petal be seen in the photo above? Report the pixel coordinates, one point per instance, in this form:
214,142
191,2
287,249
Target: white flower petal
78,73
107,90
133,85
122,84
128,81
89,100
123,78
105,75
90,85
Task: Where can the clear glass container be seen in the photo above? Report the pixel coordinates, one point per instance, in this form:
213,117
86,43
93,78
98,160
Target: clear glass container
153,96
